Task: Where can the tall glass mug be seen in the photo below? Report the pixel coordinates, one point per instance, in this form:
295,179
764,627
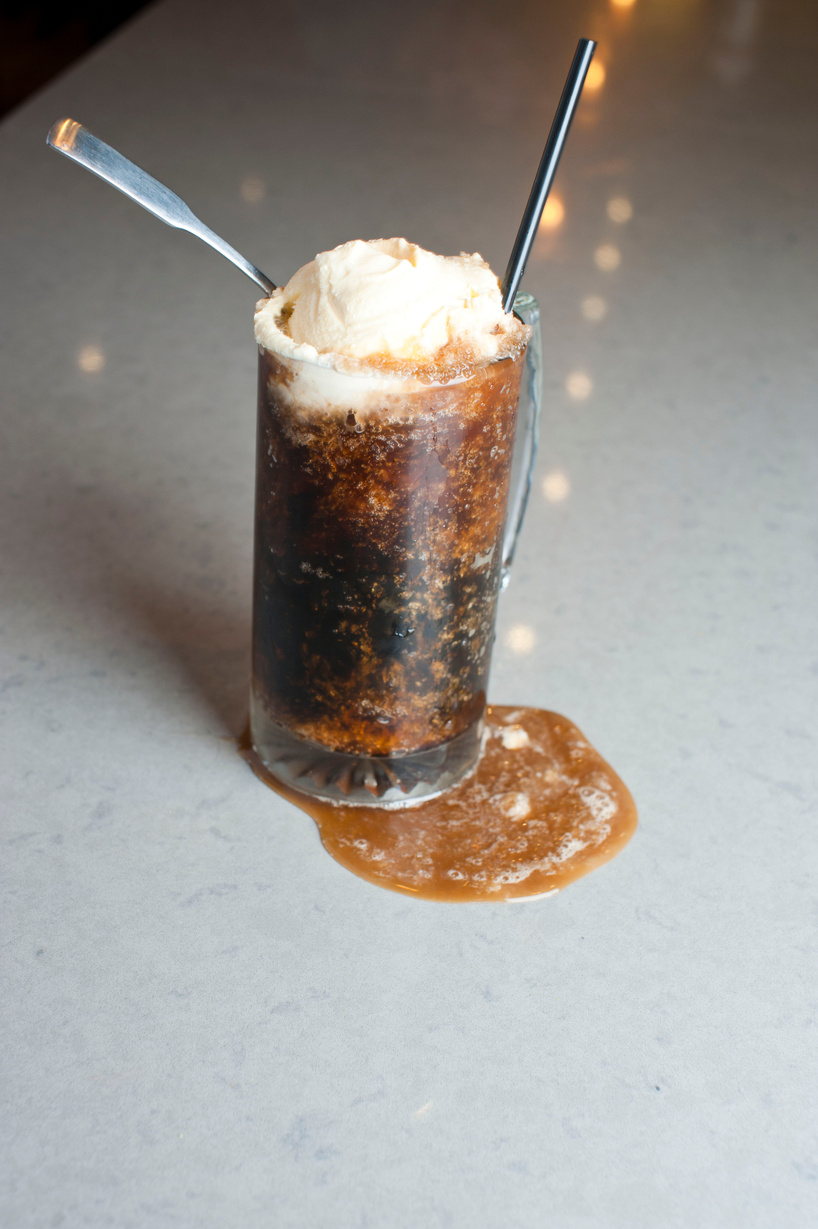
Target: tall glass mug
387,512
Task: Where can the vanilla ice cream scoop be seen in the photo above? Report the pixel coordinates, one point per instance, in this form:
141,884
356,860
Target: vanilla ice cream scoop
390,302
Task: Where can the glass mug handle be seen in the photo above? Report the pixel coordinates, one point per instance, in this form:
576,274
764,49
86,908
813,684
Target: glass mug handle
528,430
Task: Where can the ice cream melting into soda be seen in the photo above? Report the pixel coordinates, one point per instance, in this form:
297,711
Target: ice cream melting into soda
389,305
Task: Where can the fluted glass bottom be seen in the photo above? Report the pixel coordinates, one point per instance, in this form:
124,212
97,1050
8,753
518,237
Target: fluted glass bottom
377,780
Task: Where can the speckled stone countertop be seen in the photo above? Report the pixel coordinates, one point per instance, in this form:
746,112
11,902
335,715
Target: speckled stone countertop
207,1022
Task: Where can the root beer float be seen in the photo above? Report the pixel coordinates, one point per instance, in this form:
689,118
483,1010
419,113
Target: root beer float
388,386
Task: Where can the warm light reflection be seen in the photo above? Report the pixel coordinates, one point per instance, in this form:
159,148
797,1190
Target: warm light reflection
594,307
607,257
552,214
252,189
587,117
579,385
556,487
596,76
521,638
623,4
620,209
90,359
63,134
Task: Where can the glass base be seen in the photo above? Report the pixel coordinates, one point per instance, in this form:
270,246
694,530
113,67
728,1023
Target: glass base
364,780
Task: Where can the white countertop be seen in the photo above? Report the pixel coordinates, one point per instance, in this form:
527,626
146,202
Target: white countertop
208,1022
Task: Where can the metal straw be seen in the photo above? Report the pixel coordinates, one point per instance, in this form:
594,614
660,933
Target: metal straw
546,170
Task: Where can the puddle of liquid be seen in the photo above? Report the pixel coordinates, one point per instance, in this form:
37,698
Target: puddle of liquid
541,809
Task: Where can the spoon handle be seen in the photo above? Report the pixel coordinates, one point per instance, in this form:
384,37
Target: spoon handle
76,142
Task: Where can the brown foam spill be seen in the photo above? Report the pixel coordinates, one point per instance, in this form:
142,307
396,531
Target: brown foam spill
541,809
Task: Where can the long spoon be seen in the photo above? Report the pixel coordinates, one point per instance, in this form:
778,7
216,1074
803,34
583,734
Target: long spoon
76,142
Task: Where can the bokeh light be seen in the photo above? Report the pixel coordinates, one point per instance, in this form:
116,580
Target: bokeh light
607,257
552,214
556,487
594,307
579,385
620,209
521,638
596,77
90,359
252,189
